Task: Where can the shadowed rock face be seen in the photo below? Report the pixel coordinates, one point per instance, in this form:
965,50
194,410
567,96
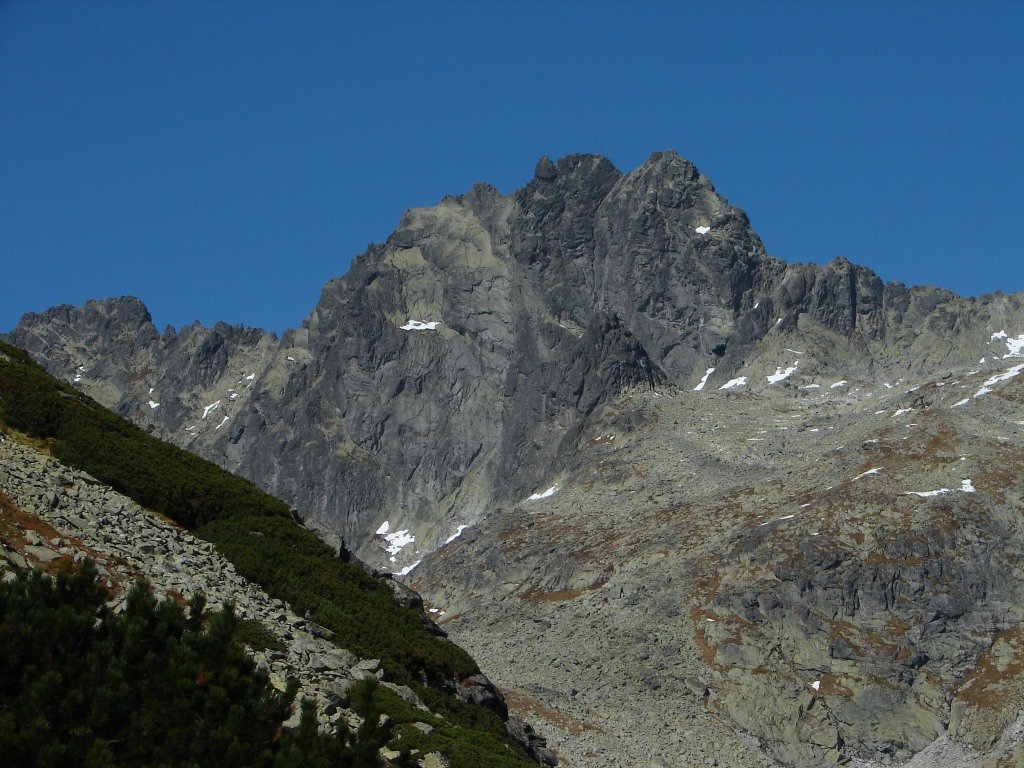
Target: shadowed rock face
547,343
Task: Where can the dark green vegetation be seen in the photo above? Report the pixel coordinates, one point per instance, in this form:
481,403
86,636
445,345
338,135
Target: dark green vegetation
154,685
257,533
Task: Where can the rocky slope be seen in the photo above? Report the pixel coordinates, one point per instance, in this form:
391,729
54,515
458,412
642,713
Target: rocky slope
83,518
665,478
852,557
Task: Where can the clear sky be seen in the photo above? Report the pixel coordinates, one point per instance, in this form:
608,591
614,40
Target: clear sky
222,160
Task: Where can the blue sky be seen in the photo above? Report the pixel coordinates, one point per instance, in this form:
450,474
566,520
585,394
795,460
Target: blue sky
222,160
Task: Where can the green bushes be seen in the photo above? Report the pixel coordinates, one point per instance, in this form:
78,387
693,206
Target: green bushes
292,564
81,686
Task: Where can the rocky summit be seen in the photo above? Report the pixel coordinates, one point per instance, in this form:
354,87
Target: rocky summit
688,504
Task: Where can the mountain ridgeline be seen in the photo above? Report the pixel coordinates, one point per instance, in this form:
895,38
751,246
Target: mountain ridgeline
453,367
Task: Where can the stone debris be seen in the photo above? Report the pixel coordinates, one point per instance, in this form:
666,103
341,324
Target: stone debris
134,542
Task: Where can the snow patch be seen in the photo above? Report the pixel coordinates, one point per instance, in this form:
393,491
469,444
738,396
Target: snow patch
250,377
456,535
704,380
928,494
816,685
702,230
811,386
153,405
842,383
222,423
872,471
734,383
1014,345
780,374
383,528
999,377
787,517
901,411
416,325
967,486
965,401
210,408
398,540
543,494
407,570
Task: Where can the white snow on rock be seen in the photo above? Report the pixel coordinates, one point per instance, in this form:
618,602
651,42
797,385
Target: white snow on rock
842,383
816,684
222,423
250,377
787,517
543,494
210,408
383,528
901,411
704,380
967,486
456,535
780,374
408,569
965,401
416,325
872,471
927,494
153,405
999,377
702,230
734,383
290,358
398,540
811,386
1014,345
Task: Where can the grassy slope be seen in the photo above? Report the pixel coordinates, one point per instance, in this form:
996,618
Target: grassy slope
256,532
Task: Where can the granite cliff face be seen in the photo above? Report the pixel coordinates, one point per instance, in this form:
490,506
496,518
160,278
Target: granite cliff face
599,403
453,367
